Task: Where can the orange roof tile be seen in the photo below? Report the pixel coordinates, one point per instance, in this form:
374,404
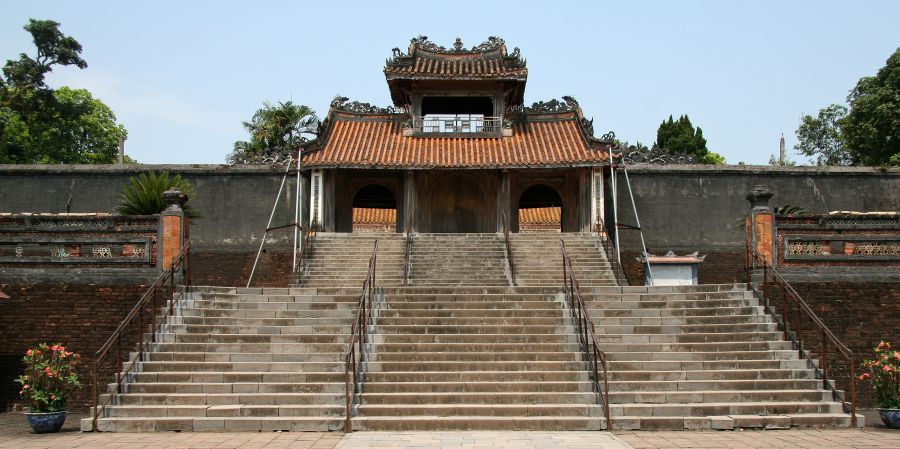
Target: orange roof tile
540,215
365,215
369,141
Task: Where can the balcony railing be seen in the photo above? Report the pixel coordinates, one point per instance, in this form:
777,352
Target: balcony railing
460,124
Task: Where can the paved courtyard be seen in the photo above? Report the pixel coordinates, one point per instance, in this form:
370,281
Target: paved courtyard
14,433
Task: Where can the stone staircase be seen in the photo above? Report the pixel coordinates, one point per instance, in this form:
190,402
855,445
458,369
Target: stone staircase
538,259
461,349
242,359
476,358
700,357
342,260
458,259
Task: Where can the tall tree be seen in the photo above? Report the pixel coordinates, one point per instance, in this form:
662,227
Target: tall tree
275,131
680,137
821,137
42,125
872,128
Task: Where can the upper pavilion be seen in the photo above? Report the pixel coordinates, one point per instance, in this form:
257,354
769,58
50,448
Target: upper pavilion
458,151
456,108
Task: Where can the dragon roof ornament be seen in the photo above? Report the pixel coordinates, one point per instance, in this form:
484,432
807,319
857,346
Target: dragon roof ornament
492,44
567,104
344,104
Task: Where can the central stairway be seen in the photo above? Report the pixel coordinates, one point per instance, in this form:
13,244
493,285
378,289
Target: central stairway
476,358
461,348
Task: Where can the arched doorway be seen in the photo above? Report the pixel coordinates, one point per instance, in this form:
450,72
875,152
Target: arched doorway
540,209
374,209
457,205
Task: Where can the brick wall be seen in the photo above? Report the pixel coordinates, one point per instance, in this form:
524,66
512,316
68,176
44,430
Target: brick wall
81,317
232,268
860,314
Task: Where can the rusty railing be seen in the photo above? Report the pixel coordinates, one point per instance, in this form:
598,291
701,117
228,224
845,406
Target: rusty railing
148,315
791,320
509,254
302,259
406,266
608,250
595,358
356,348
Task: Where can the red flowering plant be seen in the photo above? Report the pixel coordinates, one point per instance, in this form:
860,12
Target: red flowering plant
49,377
883,372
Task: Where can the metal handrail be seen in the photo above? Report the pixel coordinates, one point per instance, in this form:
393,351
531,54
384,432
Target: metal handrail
509,254
358,337
306,249
591,347
605,240
406,267
825,335
150,298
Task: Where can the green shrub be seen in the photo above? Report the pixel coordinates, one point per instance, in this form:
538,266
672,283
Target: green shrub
143,194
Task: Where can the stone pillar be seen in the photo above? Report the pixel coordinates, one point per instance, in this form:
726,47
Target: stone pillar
174,227
410,197
760,225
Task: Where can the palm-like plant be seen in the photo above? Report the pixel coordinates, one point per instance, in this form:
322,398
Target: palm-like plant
143,194
275,130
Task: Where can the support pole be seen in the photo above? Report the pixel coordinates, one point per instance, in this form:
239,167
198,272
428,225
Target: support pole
271,216
296,216
637,221
615,194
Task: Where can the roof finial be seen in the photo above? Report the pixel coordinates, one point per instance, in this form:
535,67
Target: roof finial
458,45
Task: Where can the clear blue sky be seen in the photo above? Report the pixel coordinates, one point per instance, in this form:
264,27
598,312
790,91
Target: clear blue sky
181,76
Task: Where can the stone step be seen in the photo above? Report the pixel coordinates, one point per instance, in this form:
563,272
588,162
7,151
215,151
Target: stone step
219,424
301,381
306,367
693,385
229,410
405,399
278,348
481,410
468,365
476,376
310,384
253,338
627,354
725,408
477,423
470,356
326,394
475,387
244,357
707,396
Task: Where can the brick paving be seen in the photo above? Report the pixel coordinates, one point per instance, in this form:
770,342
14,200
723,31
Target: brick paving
15,433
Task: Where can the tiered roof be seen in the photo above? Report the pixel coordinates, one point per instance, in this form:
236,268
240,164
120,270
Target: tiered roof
425,60
547,134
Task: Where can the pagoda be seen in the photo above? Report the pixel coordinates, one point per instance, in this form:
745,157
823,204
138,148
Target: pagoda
458,151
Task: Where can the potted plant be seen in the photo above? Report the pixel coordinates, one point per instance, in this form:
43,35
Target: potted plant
883,372
48,379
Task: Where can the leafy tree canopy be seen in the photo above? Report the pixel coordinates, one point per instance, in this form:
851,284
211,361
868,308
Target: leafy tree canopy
680,137
820,137
867,134
40,125
872,128
275,132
